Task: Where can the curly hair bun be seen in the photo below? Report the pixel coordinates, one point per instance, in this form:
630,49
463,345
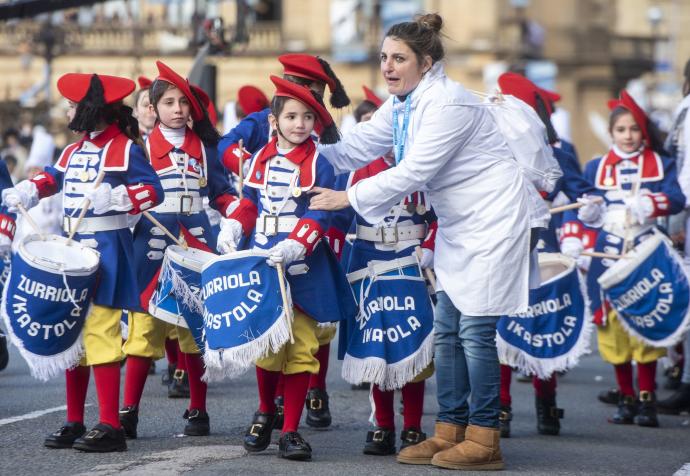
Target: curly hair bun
431,21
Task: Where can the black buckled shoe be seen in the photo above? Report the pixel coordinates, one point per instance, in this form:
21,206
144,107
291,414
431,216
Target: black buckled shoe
292,446
102,438
646,412
380,442
280,410
167,375
504,419
625,414
673,375
548,416
129,419
65,436
318,413
410,437
258,435
610,396
179,386
677,402
198,423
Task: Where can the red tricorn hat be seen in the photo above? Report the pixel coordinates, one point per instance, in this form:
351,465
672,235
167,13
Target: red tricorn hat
251,99
306,66
74,86
370,96
207,103
626,101
304,95
144,82
165,73
523,89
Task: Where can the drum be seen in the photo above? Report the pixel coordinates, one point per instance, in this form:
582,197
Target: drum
177,299
390,342
554,332
243,314
650,292
46,301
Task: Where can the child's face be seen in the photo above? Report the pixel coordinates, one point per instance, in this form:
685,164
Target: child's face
173,108
295,122
626,134
71,110
143,113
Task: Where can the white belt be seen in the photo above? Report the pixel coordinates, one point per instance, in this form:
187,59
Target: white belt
94,224
392,234
377,268
271,225
616,219
183,203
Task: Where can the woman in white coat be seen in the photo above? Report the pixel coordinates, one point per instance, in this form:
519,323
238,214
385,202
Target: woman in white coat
447,144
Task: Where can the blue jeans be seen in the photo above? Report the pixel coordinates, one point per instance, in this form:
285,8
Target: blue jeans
467,368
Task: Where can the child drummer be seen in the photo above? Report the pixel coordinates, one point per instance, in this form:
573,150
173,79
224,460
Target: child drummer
638,185
110,146
275,212
185,160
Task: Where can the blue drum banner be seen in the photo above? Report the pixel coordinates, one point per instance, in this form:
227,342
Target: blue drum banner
554,332
650,293
391,340
243,314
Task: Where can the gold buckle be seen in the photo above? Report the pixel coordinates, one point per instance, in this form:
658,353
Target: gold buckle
315,403
179,374
274,232
186,199
378,436
412,435
645,396
254,431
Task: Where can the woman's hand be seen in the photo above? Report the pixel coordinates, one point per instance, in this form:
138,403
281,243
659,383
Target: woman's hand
327,199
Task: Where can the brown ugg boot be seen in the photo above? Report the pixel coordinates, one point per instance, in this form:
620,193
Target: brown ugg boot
480,450
446,435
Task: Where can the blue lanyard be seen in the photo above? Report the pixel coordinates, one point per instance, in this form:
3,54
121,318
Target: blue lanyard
399,135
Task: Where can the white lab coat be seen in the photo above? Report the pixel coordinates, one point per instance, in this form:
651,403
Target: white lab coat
482,201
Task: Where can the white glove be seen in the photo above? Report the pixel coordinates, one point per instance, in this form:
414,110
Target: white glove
286,252
641,207
5,244
25,193
229,236
572,246
583,263
427,259
105,198
592,213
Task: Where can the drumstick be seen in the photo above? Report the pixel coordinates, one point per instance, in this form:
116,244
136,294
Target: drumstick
283,294
84,208
572,206
429,273
25,214
155,221
596,254
240,172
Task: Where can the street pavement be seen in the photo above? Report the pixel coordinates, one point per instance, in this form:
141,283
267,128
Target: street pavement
30,409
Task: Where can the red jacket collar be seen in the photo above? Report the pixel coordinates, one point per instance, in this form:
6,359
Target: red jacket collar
302,155
652,168
160,147
103,138
369,170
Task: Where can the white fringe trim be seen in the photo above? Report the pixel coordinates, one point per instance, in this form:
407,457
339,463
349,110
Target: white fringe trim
389,376
235,361
543,368
181,290
43,367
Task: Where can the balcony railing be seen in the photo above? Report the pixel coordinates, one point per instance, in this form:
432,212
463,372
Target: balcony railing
264,38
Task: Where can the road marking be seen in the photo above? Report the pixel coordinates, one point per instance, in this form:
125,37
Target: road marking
32,415
683,471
